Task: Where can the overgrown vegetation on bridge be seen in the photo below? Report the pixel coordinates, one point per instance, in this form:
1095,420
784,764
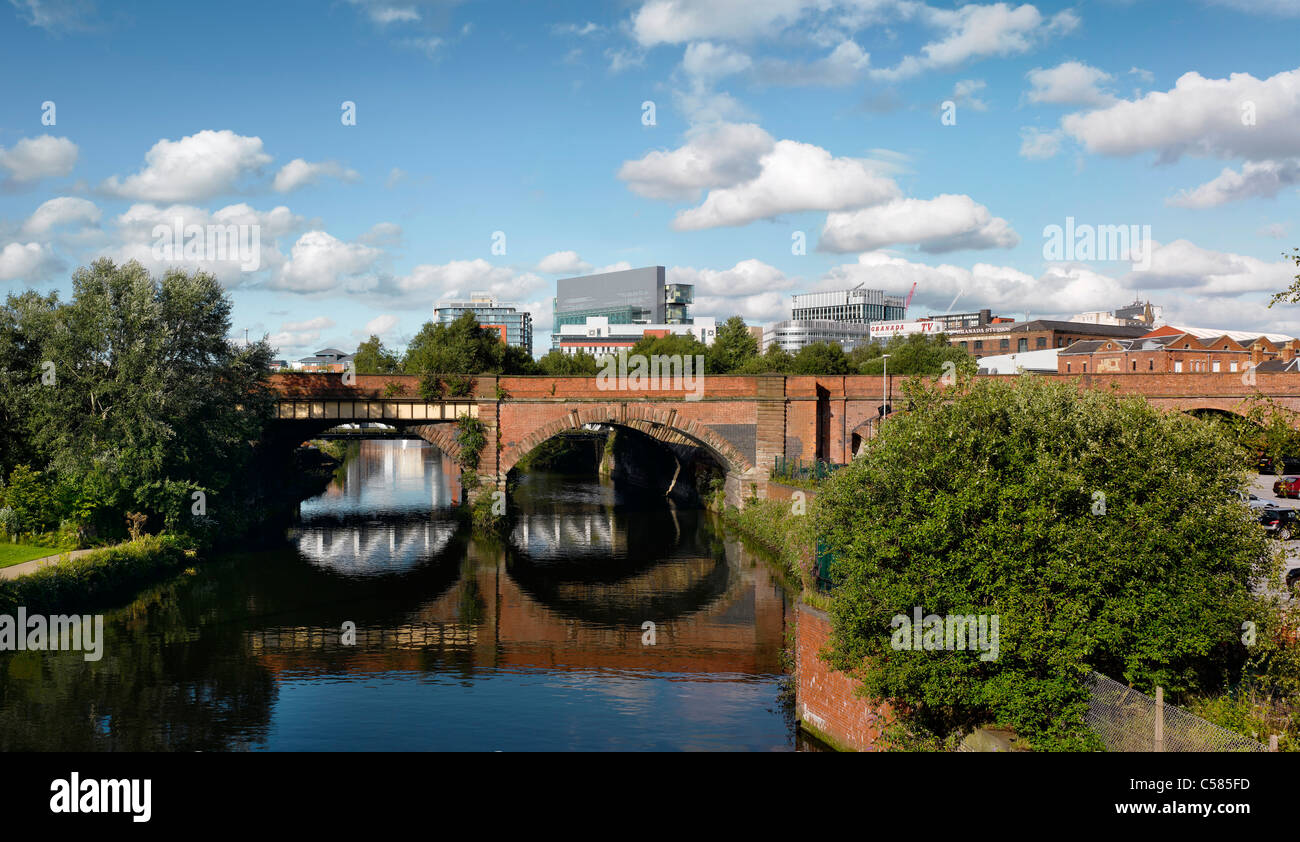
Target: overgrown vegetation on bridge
1102,532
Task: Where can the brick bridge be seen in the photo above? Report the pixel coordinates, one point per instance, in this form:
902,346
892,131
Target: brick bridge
742,422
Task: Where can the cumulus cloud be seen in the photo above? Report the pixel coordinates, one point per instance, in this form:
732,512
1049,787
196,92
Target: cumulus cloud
751,289
979,31
944,223
679,21
196,167
1237,117
1069,83
458,278
713,156
299,173
1037,144
64,210
792,177
379,326
563,263
1256,179
320,262
34,158
842,66
27,262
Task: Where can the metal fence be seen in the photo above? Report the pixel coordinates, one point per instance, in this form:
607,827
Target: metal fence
1127,720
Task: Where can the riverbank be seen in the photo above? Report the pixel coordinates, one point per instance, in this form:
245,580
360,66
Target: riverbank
12,555
97,578
783,528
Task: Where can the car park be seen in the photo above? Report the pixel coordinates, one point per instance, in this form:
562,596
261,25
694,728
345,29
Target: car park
1290,465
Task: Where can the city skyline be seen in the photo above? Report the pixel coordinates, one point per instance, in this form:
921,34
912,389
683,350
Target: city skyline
896,142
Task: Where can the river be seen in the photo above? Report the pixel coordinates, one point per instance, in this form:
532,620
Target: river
609,620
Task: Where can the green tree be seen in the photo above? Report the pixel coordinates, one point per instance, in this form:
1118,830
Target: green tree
775,360
671,345
26,320
28,494
1290,295
821,358
732,348
373,358
916,354
1102,532
557,363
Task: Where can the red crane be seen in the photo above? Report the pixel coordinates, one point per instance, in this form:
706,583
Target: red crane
908,302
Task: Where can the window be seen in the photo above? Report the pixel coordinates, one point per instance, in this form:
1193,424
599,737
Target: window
1232,367
979,345
1178,366
1040,342
1135,365
1151,365
1216,365
1004,345
1022,346
1085,368
1067,368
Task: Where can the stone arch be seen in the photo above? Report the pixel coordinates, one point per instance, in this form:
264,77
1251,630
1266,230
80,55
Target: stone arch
664,424
441,435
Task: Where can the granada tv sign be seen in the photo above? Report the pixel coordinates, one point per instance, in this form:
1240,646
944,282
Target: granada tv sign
887,330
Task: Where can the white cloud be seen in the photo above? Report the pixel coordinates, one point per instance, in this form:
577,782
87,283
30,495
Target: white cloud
33,158
1069,83
706,61
378,326
979,31
319,262
793,177
458,278
1038,144
382,234
678,21
751,289
842,66
1256,179
64,210
198,166
944,223
27,262
713,156
963,93
1200,117
298,173
563,263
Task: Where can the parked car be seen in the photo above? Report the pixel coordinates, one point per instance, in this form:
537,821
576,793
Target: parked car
1287,487
1293,579
1253,501
1279,521
1290,465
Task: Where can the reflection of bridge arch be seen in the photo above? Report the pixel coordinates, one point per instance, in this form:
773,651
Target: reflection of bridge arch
369,549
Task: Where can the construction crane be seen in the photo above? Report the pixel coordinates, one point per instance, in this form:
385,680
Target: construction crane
908,302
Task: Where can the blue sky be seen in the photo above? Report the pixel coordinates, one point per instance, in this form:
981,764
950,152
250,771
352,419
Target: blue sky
771,118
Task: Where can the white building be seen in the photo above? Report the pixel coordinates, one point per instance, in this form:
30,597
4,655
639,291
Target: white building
598,337
1025,362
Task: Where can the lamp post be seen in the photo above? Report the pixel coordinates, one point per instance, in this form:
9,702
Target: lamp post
884,389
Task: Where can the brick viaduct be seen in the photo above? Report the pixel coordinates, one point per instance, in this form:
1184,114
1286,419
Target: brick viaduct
743,422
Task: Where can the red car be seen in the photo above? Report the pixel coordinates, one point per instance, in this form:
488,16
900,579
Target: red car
1287,487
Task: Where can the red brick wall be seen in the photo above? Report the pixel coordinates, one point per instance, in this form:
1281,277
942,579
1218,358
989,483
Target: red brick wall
825,700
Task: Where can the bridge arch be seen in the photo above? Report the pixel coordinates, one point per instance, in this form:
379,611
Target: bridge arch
665,425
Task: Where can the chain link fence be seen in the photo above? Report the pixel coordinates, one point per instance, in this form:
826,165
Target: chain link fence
1126,720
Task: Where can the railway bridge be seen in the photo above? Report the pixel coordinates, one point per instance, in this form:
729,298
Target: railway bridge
743,423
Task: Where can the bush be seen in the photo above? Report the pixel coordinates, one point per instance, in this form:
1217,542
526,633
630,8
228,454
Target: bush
97,578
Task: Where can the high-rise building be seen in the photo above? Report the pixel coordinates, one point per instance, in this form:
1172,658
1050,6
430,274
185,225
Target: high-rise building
627,297
515,325
792,335
852,306
597,336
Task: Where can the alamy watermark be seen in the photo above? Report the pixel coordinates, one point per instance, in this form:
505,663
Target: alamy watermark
60,632
1129,243
652,373
952,632
206,243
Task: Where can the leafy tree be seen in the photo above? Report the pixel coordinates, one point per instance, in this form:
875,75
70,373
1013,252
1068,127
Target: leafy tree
1291,295
373,358
1102,532
28,494
915,354
733,346
671,345
775,360
559,364
462,347
26,320
821,358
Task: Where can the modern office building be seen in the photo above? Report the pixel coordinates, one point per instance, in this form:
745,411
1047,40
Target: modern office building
628,297
598,336
327,360
515,325
792,335
855,306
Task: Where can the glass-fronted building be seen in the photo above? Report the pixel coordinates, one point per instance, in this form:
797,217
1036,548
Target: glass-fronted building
851,306
627,297
794,334
515,325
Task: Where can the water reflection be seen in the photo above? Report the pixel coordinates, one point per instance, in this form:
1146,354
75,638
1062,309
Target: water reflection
536,642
